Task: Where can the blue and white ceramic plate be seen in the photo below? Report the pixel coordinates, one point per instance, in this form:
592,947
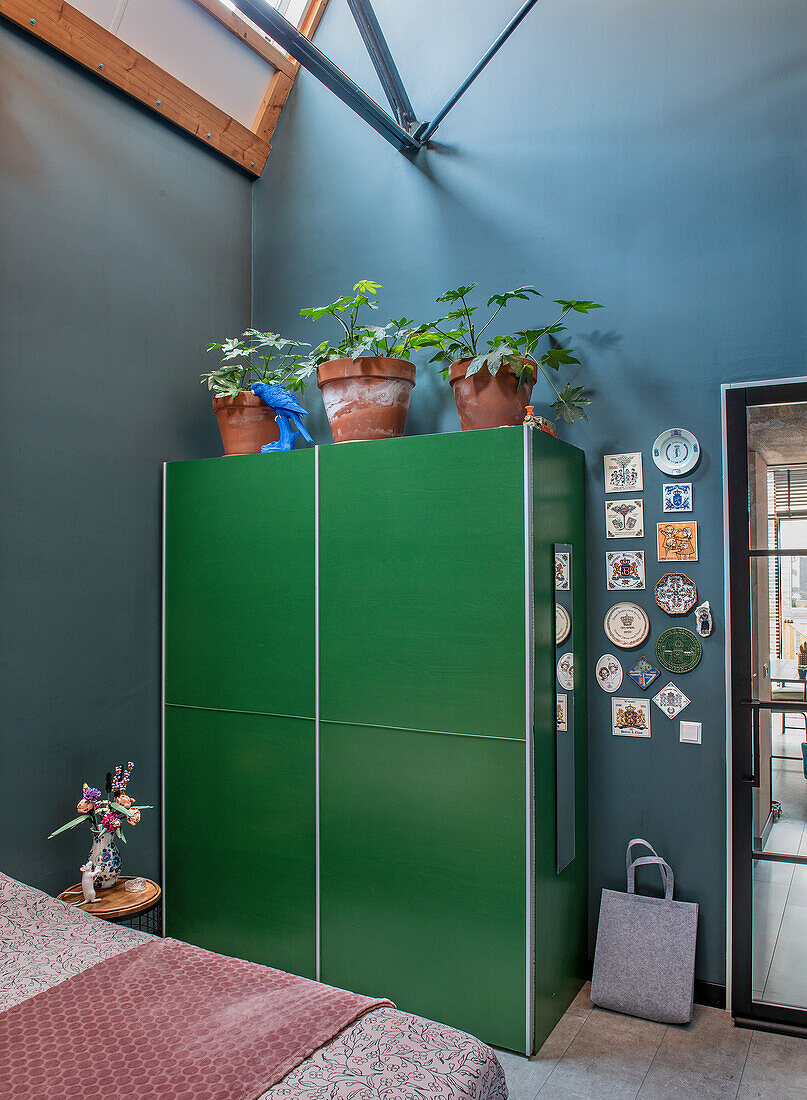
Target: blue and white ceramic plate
676,452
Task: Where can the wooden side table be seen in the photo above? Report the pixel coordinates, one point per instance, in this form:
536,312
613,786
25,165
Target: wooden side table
141,910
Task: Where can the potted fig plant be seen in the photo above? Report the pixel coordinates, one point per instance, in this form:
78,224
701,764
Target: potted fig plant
492,381
367,378
246,423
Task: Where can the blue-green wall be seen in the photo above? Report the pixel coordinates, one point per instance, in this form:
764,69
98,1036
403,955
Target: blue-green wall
124,249
646,154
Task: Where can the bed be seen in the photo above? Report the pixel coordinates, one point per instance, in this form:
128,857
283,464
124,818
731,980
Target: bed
385,1055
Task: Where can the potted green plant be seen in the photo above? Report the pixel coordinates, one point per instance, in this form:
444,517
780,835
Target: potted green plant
366,379
246,423
492,381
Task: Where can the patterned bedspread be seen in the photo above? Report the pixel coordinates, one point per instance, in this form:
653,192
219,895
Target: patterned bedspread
386,1055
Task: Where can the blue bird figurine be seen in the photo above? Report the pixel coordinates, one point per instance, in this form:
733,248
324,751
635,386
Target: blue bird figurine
286,407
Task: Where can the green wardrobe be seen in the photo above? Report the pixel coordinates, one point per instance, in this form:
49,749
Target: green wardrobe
365,779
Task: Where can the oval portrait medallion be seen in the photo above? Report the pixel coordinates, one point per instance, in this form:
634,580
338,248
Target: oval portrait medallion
609,672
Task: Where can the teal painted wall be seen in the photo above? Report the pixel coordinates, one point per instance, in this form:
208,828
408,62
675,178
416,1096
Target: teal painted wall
646,154
124,249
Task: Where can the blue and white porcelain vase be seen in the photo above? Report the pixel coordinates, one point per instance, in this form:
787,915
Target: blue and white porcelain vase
106,859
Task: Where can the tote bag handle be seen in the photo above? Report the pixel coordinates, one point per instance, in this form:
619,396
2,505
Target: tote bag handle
666,874
631,843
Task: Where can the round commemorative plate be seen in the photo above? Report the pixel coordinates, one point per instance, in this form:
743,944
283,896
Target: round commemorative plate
676,452
678,649
563,624
566,672
626,625
609,672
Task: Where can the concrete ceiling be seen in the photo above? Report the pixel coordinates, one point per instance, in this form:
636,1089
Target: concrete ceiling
779,433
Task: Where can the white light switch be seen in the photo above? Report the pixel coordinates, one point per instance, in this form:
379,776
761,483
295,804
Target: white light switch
691,733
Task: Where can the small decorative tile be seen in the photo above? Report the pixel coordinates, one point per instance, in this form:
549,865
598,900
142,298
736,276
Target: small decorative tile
624,519
671,700
623,472
630,717
677,497
624,570
562,723
562,571
678,650
644,672
676,594
626,625
703,619
563,624
677,541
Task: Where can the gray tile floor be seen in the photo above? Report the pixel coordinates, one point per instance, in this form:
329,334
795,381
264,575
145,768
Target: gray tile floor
597,1055
780,889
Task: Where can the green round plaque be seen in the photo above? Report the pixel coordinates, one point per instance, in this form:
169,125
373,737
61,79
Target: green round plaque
678,649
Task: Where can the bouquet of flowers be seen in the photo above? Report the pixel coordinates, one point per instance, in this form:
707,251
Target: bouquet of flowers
107,814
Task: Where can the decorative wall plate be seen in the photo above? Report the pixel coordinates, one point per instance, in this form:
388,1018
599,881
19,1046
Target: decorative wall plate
609,672
566,671
624,570
678,649
624,519
676,594
562,721
677,497
563,624
630,717
677,541
562,571
626,625
676,452
623,473
644,672
671,700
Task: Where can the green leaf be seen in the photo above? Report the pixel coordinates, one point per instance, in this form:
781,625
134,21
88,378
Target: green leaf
578,307
70,825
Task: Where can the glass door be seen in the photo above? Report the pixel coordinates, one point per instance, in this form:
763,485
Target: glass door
766,435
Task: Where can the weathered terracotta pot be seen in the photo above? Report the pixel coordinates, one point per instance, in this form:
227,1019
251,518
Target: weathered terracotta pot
489,400
245,423
366,398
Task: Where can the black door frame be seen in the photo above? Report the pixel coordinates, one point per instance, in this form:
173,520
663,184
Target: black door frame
744,710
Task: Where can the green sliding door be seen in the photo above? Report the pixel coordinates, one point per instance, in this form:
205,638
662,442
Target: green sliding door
424,859
239,759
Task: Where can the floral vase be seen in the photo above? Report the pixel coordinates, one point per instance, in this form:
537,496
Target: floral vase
106,859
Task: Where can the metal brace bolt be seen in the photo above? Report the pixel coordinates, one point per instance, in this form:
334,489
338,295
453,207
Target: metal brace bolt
210,135
32,22
101,65
159,103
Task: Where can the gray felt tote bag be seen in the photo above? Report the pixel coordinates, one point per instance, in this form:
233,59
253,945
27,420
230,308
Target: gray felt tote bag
644,963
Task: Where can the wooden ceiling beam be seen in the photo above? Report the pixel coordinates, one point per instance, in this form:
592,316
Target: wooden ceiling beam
250,36
280,85
100,51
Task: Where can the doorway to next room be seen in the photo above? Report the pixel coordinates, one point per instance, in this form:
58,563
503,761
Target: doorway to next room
766,439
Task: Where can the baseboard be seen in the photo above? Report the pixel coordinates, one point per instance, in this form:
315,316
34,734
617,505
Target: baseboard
710,994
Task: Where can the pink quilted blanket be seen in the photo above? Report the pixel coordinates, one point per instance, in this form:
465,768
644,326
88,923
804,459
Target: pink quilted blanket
165,1019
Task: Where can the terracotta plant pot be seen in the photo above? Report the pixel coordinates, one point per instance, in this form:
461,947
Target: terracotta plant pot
489,400
366,398
245,423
